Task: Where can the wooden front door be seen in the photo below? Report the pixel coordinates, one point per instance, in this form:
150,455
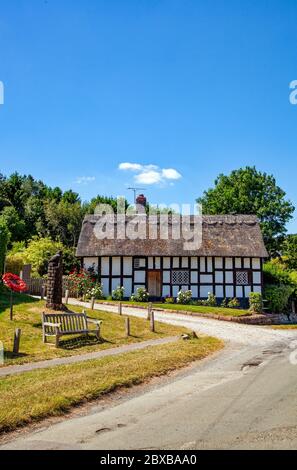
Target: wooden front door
154,283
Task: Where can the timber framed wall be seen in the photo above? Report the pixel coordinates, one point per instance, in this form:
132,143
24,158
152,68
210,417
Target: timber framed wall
226,277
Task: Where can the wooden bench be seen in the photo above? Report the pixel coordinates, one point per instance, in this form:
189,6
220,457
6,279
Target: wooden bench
62,324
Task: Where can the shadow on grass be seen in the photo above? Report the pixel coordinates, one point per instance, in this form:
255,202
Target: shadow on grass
11,355
79,342
17,299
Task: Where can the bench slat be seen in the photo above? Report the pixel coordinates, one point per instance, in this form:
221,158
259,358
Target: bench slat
69,324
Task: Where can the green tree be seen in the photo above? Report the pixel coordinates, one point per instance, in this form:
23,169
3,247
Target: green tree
17,226
38,253
111,201
248,191
64,221
289,251
4,239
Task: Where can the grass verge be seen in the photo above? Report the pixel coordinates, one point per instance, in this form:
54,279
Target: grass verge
283,327
35,395
219,311
27,316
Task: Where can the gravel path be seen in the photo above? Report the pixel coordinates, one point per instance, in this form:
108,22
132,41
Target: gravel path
18,369
227,331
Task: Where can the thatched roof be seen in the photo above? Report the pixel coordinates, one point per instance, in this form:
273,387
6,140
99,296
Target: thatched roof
222,235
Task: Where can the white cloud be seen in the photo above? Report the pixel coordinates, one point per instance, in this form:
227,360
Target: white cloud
148,177
84,179
171,174
130,166
150,174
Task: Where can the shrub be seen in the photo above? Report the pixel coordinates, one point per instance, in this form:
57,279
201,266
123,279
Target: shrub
95,292
118,293
234,303
211,300
256,302
169,300
278,297
38,253
276,273
184,297
141,295
224,303
81,282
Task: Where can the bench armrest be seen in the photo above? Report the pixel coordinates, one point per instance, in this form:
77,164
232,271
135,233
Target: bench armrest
93,320
55,325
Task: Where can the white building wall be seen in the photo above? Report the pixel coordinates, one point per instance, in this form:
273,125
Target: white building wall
205,274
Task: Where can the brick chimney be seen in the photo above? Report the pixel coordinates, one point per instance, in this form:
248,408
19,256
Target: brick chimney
141,200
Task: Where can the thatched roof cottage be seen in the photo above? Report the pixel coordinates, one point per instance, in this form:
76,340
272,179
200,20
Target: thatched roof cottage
228,262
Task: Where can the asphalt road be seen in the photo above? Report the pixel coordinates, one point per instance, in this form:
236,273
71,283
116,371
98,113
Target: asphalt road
242,398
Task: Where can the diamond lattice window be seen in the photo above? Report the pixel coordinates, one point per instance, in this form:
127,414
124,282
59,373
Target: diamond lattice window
242,278
180,277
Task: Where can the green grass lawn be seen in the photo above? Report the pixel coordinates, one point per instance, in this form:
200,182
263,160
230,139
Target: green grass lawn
233,312
38,394
27,316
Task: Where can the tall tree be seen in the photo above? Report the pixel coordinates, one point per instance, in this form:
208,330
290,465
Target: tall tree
248,191
4,239
289,251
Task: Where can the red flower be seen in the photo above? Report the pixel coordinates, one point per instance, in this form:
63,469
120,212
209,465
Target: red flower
14,282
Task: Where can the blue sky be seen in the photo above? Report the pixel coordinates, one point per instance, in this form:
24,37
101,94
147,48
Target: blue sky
195,87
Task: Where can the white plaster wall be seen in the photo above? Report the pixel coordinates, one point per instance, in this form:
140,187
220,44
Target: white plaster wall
247,263
166,263
256,278
139,276
127,266
204,290
194,262
194,290
205,278
219,277
194,276
116,266
105,286
219,263
219,291
228,263
116,282
185,262
175,262
105,266
239,292
247,290
166,276
175,290
258,289
209,264
256,263
165,291
202,264
91,262
127,284
229,291
229,277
